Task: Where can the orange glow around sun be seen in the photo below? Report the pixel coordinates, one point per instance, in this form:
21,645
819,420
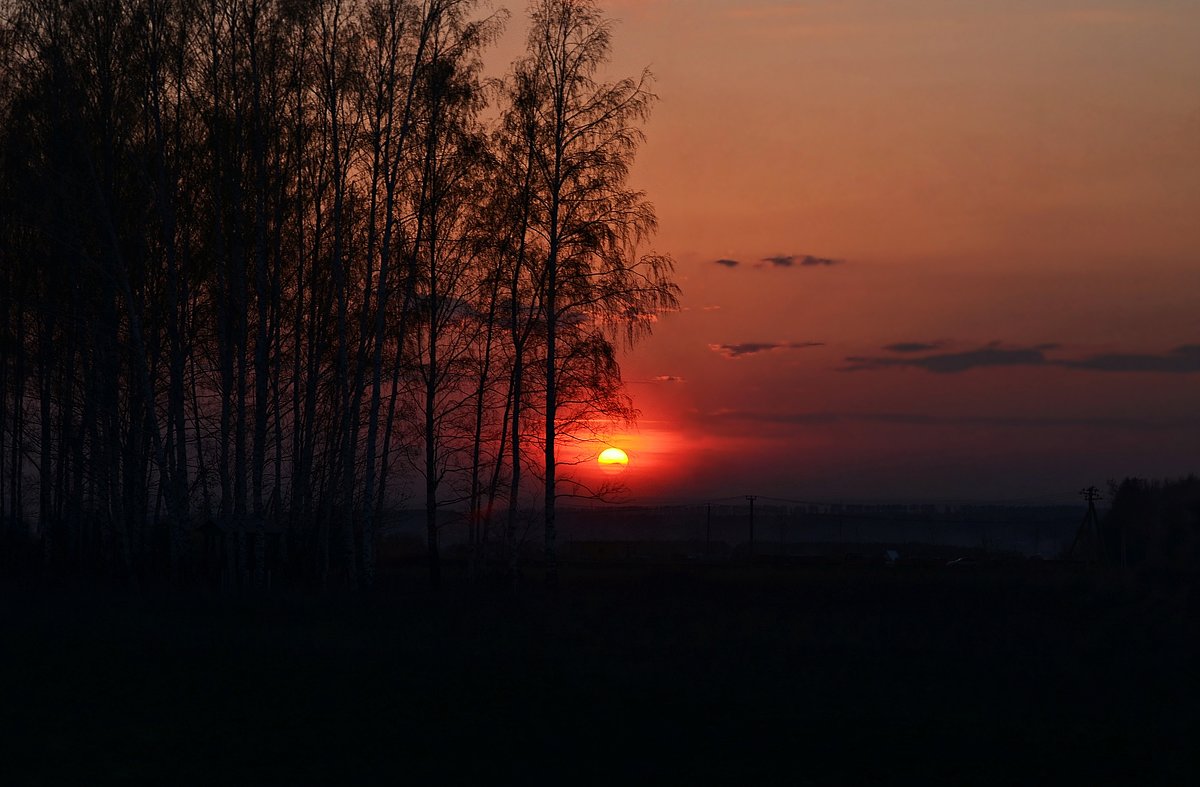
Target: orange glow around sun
613,457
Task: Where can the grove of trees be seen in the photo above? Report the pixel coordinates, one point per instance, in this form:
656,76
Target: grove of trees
1152,527
271,268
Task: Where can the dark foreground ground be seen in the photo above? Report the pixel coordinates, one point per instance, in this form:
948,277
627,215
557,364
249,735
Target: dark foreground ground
1013,674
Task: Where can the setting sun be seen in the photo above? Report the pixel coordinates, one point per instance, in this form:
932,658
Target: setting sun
613,456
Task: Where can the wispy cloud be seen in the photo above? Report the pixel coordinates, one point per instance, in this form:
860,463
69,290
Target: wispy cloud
667,378
1184,359
754,348
803,260
782,261
1181,360
949,363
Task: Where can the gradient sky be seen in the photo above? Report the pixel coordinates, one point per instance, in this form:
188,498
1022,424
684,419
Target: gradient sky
1009,194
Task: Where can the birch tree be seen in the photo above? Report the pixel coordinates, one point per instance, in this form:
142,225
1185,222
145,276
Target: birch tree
583,134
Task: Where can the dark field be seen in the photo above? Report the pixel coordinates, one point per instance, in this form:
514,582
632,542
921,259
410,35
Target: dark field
1005,674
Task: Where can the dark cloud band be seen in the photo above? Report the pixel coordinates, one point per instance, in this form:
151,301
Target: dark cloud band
784,261
753,348
803,260
1181,360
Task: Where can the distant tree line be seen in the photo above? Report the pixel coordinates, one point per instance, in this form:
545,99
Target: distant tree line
269,266
1153,527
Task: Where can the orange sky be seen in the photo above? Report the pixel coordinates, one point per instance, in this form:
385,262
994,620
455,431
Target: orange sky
1013,183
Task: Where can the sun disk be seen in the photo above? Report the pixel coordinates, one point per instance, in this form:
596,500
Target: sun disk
613,456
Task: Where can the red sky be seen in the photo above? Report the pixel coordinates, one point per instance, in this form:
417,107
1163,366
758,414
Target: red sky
1011,192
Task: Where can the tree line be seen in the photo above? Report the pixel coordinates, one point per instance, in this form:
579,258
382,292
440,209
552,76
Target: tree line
270,268
1152,528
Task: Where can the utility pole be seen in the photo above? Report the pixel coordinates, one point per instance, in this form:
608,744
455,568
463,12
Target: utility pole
1087,539
751,498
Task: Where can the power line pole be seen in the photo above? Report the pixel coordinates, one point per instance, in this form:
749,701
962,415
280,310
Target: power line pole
1087,542
751,498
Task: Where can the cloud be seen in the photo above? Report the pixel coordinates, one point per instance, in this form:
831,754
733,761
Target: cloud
949,363
667,378
1184,359
782,261
920,419
912,347
753,348
805,260
710,307
1181,360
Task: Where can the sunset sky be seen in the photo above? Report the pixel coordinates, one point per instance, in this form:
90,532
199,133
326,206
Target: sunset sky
930,249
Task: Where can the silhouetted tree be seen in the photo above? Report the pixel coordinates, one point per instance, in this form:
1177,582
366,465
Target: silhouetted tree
582,135
447,275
